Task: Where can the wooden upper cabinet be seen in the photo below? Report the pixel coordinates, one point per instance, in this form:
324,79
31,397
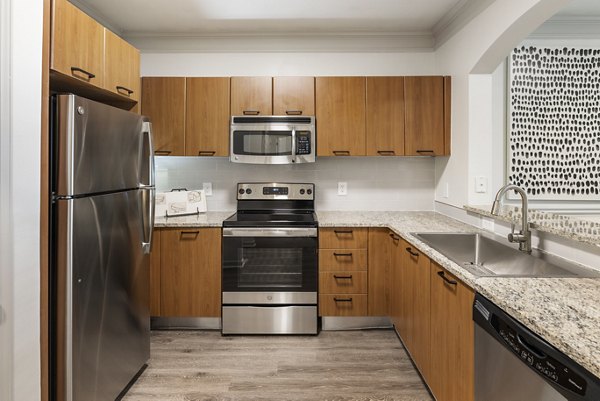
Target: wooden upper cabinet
385,116
340,112
77,44
191,272
425,120
163,101
452,337
251,96
121,67
207,117
294,96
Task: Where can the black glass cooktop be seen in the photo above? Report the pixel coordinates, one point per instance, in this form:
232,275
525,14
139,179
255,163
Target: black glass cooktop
271,219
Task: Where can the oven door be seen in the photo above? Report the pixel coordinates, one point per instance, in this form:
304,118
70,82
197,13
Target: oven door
279,263
271,144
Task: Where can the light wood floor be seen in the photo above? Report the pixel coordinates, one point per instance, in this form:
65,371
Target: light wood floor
334,366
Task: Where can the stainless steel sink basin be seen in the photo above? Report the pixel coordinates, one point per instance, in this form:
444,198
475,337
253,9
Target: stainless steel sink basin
485,255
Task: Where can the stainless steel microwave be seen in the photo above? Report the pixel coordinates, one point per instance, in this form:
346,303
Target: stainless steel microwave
272,139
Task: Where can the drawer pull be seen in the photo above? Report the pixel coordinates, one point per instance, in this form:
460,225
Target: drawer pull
394,237
293,112
343,232
341,153
386,152
194,233
162,152
122,89
206,152
426,151
409,250
251,112
342,299
446,279
349,254
335,276
77,69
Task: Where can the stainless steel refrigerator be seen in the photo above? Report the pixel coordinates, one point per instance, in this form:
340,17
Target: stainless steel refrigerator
102,182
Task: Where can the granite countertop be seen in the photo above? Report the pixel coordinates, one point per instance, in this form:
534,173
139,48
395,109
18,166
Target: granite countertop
572,227
564,311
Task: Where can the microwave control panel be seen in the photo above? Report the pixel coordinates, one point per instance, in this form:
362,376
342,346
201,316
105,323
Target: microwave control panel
303,143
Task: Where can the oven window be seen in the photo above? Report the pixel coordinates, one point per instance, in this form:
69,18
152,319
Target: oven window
262,143
270,267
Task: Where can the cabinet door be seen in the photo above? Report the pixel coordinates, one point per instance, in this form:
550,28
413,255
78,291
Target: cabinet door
385,116
340,104
207,117
452,337
397,283
251,96
418,272
155,274
77,44
191,272
163,100
294,96
122,66
424,127
380,248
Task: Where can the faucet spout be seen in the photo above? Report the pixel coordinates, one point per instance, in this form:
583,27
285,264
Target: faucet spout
523,237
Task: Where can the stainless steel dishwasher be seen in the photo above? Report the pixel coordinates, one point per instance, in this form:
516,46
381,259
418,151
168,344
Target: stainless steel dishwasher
514,364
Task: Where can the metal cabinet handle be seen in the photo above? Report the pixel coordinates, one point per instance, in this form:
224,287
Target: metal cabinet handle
343,231
293,112
446,279
206,152
341,152
251,112
342,299
426,151
335,276
349,254
162,152
409,250
394,237
77,69
386,152
122,88
194,233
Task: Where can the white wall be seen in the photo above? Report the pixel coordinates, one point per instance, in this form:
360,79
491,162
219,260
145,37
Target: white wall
374,183
20,110
471,57
286,64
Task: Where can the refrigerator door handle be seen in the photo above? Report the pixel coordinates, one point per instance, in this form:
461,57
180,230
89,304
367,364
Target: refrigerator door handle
147,195
147,155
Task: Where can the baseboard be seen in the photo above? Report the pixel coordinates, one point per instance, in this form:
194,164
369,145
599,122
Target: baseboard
331,323
185,323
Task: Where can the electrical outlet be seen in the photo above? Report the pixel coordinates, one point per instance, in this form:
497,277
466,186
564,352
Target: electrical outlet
446,191
342,188
207,187
480,184
487,224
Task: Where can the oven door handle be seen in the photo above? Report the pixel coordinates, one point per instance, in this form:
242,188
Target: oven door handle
270,232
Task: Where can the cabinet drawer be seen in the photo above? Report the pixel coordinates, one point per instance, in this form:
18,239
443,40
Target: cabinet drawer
343,282
343,305
342,259
349,238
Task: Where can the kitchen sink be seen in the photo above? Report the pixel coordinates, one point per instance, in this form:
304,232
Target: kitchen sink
485,255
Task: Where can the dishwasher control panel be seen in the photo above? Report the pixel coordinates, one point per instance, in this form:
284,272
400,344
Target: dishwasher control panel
538,360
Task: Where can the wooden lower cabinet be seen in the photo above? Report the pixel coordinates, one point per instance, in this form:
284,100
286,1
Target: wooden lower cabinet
452,337
190,273
155,274
343,304
379,271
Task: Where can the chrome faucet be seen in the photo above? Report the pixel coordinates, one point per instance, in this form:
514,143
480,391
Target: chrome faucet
523,237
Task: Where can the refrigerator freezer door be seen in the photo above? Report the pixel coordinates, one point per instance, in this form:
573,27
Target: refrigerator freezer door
103,317
99,148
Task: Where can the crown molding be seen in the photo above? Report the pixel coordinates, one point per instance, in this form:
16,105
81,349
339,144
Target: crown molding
457,18
363,42
569,27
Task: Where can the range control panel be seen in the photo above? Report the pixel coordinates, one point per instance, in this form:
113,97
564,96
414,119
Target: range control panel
544,364
276,191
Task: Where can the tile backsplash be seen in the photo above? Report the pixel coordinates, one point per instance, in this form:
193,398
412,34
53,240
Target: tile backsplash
374,183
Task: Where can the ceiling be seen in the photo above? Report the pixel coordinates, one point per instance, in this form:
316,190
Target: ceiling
581,8
218,17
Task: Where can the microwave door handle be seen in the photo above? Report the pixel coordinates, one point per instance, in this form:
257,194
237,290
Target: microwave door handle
294,145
